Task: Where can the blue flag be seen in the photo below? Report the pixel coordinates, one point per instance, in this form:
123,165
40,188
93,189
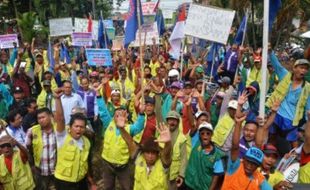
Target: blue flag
132,22
241,31
50,55
159,18
274,6
213,54
64,54
101,39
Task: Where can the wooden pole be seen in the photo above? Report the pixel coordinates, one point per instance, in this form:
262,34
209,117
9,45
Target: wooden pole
140,48
265,57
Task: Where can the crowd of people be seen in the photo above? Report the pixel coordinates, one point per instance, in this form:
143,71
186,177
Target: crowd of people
157,126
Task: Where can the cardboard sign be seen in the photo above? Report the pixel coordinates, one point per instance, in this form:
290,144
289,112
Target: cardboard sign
151,32
148,8
118,43
81,25
99,57
81,39
6,41
209,23
60,26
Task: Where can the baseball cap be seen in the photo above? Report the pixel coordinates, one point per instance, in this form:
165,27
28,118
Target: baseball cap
257,59
302,62
188,84
199,69
176,84
173,115
5,140
254,155
270,149
18,89
233,104
205,125
225,80
46,83
62,63
173,72
94,74
115,91
122,107
220,94
39,54
149,100
200,113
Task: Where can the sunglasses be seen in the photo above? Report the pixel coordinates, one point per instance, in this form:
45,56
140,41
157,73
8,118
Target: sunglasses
6,145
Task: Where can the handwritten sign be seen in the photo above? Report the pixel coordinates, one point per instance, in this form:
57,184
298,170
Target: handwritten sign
148,8
81,25
6,41
81,39
60,26
151,32
118,43
99,57
209,23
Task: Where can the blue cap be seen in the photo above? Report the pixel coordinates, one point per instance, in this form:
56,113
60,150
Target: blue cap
254,155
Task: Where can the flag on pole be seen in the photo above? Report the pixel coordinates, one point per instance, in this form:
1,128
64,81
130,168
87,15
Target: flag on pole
177,35
159,18
241,31
101,33
89,24
50,55
213,59
274,6
132,24
156,8
64,54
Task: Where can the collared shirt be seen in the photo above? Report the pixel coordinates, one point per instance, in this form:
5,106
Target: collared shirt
17,133
48,156
68,103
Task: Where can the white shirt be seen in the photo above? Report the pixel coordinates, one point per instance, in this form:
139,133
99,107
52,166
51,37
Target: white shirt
18,134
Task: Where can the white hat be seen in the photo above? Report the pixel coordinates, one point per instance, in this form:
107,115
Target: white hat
115,91
200,113
173,72
220,94
205,125
233,104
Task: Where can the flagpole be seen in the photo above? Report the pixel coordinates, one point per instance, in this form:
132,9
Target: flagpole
245,26
181,60
104,32
140,48
265,56
213,62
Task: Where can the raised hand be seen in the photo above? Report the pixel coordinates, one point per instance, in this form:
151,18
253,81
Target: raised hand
239,118
57,93
164,133
120,118
243,98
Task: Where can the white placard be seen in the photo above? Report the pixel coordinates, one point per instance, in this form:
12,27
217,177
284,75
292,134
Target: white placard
81,39
151,32
209,23
168,14
60,26
6,41
81,25
148,8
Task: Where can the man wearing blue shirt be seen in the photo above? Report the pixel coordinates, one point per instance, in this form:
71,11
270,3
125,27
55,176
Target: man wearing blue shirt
293,93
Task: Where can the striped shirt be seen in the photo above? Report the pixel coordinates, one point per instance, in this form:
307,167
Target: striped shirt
48,155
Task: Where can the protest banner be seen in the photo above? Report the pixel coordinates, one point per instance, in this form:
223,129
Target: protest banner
118,43
6,41
209,23
60,26
148,8
99,57
80,25
81,39
151,32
